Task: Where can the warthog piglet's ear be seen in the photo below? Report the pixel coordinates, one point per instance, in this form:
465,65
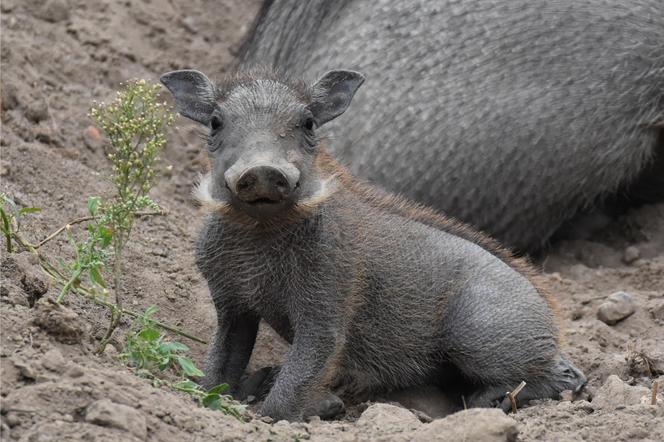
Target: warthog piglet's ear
194,93
332,94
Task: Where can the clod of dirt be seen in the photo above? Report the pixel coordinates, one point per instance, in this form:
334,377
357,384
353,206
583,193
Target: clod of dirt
109,414
388,419
9,96
5,168
656,309
50,10
476,424
53,361
616,393
619,306
37,111
44,134
59,321
631,254
23,270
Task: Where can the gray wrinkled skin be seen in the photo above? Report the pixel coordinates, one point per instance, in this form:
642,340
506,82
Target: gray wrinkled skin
511,115
369,298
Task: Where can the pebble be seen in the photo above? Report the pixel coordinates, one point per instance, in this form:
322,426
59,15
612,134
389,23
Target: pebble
189,23
619,306
75,371
52,10
44,134
9,95
92,138
37,111
631,254
53,360
656,308
12,419
26,370
5,169
567,395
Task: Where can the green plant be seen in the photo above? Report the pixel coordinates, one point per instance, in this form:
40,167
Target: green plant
135,124
214,398
150,353
10,218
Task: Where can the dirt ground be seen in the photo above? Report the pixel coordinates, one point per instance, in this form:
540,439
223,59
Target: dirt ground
60,55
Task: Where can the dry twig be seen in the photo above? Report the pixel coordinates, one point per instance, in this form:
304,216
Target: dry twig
511,395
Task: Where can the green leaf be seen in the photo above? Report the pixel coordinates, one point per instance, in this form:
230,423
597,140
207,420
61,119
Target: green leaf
106,236
25,210
171,347
150,311
211,401
188,366
96,277
149,334
6,225
93,205
188,386
218,389
12,204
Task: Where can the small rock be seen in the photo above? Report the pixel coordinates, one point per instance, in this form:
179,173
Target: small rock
5,169
51,10
619,306
75,371
422,416
616,393
656,308
631,254
12,419
475,424
109,414
35,284
61,322
53,360
7,6
189,23
70,152
68,418
111,351
37,111
92,138
386,419
44,134
567,395
267,419
9,95
25,369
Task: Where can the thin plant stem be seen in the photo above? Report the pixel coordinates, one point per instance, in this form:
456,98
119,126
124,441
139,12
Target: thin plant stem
84,219
88,294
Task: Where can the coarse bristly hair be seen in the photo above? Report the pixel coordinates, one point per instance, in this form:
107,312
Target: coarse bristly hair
334,176
232,80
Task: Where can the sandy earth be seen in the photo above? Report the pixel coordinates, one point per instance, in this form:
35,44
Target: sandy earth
58,56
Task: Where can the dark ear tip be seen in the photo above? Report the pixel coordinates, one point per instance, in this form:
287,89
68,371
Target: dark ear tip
346,74
183,74
164,78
